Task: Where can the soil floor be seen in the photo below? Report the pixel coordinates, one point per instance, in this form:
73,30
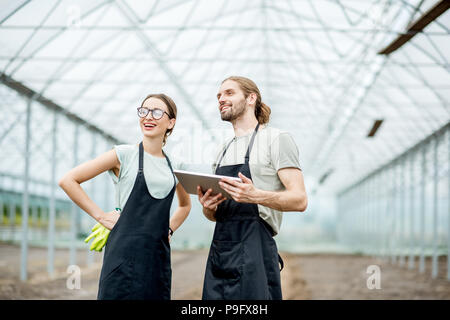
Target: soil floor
305,276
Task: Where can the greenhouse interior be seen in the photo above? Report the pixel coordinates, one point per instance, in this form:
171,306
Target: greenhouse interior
361,87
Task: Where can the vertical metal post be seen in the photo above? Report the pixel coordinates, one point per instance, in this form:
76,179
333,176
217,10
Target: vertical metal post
90,254
371,217
379,213
386,214
422,211
362,238
34,216
52,204
358,230
2,217
448,204
402,212
412,212
12,212
74,207
394,214
435,267
25,196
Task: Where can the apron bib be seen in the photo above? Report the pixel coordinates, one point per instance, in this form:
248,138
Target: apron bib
136,263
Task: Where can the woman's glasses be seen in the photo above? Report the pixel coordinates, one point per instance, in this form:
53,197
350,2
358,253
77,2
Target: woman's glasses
155,113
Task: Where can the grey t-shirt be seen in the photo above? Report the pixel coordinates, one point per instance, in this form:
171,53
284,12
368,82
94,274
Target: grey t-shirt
158,176
273,149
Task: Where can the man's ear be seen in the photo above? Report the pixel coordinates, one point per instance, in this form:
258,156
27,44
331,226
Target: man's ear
251,99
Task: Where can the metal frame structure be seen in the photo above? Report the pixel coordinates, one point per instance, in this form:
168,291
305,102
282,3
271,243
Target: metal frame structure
387,237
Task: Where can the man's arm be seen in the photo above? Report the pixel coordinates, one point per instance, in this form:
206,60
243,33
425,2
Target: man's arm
293,198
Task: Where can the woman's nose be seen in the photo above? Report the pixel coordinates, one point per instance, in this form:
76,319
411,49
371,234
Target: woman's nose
149,115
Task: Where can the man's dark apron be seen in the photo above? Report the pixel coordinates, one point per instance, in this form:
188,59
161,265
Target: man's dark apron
243,258
136,264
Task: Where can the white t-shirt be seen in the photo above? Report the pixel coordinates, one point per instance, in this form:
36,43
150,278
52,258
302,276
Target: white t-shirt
273,149
158,177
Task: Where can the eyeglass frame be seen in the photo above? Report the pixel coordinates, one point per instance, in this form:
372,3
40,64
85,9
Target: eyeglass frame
151,111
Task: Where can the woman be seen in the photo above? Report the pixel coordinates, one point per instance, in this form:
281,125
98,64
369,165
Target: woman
136,263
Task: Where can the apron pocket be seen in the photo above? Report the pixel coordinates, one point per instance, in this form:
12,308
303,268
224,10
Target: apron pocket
227,259
116,283
227,263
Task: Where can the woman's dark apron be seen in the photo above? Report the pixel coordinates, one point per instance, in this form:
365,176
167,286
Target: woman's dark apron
243,258
136,263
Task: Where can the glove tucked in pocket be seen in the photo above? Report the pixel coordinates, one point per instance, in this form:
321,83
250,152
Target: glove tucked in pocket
100,235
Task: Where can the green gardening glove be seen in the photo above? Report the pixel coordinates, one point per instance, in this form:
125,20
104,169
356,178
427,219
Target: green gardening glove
100,235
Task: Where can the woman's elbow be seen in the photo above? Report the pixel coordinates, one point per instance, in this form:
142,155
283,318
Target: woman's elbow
63,182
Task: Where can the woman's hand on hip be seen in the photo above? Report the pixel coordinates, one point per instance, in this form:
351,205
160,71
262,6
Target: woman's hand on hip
109,219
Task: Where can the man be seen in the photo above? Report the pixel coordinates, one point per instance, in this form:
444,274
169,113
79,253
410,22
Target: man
243,258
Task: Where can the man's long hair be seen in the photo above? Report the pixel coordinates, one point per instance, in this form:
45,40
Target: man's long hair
262,111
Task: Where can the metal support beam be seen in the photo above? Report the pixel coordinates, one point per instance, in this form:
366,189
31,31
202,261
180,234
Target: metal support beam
25,196
49,104
416,27
152,49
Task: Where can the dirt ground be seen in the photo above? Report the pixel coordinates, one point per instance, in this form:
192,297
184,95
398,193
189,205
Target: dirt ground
305,277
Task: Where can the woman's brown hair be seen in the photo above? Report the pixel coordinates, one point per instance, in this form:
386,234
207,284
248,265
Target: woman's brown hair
262,111
171,106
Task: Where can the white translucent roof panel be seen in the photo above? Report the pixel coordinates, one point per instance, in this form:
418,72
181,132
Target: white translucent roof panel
315,62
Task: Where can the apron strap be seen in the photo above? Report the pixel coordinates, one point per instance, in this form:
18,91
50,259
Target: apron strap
141,157
141,161
223,154
281,262
170,166
247,154
250,145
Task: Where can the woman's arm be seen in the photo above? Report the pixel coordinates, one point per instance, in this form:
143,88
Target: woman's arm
184,206
72,180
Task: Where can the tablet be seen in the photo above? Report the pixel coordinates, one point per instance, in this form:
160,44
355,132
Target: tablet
190,180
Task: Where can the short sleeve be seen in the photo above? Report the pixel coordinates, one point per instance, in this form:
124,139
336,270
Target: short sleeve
284,152
177,164
122,152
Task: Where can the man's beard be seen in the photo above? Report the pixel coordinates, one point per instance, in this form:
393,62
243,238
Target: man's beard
234,112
